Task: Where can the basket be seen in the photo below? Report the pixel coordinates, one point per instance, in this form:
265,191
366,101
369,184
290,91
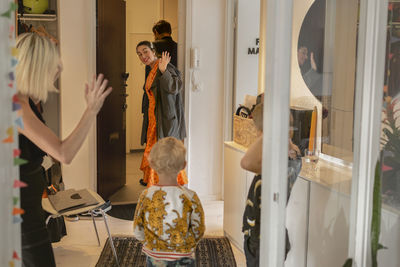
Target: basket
244,131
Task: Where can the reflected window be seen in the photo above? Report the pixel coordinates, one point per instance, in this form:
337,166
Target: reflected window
390,144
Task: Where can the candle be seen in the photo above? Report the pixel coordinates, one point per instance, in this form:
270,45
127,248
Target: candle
313,129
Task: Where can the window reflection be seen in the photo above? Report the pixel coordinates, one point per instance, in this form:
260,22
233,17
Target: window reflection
390,121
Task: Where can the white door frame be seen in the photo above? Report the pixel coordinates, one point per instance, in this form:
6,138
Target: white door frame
369,83
278,35
185,34
367,123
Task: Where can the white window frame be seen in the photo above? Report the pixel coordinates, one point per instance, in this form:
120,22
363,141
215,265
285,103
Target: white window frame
278,35
368,104
367,123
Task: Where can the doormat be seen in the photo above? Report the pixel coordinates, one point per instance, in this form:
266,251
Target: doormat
124,212
210,252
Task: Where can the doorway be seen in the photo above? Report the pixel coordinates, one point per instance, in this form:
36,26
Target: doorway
141,15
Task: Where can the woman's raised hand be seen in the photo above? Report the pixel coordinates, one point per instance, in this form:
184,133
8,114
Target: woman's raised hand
312,60
96,93
164,60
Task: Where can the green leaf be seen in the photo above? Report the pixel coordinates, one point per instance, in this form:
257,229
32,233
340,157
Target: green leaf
348,263
380,246
376,215
13,7
19,161
6,14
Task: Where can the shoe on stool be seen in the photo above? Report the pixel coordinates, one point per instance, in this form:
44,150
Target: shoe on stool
97,213
72,218
142,182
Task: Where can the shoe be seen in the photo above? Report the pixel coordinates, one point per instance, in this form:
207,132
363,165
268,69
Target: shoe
106,206
142,182
72,218
97,213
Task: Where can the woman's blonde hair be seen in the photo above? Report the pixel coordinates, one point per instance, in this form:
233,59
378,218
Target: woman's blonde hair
168,156
38,59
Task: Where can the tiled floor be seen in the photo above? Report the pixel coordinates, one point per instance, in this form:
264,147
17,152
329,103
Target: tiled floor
79,248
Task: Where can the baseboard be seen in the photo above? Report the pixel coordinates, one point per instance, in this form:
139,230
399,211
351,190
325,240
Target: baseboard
210,197
233,242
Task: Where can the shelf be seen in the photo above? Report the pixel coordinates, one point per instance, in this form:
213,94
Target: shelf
236,146
37,17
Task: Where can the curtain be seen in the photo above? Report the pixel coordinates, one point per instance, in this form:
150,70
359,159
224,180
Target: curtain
10,219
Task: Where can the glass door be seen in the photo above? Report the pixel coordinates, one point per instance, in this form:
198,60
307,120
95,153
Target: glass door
389,175
321,130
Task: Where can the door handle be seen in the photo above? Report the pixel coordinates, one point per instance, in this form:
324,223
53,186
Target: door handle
124,95
113,137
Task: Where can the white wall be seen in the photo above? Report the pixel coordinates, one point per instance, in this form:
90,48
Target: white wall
78,53
205,119
248,29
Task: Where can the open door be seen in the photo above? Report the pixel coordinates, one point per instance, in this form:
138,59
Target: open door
111,121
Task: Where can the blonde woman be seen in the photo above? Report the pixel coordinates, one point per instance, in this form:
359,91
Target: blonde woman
39,65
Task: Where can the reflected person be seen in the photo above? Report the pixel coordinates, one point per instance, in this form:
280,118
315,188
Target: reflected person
309,71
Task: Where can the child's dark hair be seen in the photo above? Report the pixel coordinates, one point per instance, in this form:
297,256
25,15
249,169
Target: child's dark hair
146,43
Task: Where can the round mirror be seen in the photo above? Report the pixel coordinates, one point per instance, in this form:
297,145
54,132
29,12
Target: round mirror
310,47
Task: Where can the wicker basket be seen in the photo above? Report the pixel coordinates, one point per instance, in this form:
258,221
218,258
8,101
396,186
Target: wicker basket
244,131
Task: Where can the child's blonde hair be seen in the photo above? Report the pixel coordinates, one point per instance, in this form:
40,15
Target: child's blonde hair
38,59
168,156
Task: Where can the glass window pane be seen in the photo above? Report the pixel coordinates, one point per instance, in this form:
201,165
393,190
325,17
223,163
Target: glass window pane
390,144
323,77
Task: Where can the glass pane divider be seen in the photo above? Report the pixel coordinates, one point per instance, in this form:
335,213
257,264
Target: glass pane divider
278,35
368,103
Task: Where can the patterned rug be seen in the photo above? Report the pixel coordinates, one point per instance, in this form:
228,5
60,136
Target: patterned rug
210,252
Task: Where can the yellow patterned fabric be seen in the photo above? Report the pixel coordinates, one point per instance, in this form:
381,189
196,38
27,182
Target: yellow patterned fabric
169,220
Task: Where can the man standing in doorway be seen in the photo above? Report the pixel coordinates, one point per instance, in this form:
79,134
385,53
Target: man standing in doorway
164,42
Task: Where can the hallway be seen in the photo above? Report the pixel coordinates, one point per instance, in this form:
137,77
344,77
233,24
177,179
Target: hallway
79,248
130,192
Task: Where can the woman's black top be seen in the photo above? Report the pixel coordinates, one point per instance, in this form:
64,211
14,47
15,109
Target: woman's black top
29,151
